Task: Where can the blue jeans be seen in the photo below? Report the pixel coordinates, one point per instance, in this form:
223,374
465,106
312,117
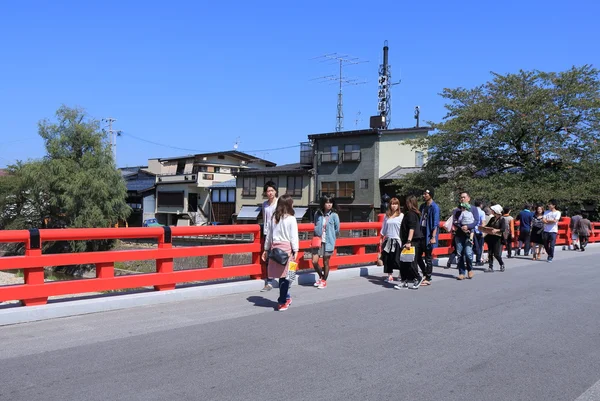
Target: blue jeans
464,250
549,243
478,246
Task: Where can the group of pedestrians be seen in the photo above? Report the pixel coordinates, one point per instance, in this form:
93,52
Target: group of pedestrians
410,235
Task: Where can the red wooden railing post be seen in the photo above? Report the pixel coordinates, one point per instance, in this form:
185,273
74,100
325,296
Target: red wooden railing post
105,270
256,256
165,265
34,275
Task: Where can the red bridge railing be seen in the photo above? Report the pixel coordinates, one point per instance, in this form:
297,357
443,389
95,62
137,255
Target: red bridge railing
35,290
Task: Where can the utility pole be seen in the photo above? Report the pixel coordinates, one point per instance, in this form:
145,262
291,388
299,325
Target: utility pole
113,134
343,81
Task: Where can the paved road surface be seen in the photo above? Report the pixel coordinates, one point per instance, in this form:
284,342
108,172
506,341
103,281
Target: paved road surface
531,333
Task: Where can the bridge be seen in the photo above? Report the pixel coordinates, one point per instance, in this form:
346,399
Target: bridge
529,333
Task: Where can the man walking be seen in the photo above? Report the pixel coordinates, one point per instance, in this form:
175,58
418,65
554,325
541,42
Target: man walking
430,221
464,247
551,219
524,218
268,208
574,233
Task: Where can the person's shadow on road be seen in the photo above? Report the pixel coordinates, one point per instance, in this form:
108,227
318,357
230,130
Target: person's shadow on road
262,302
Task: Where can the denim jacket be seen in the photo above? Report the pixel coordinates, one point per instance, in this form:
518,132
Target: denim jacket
331,231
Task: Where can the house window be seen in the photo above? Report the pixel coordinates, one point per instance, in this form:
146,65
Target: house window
294,186
419,156
180,167
346,189
351,153
328,188
209,177
210,169
170,199
225,195
364,184
249,186
330,154
235,170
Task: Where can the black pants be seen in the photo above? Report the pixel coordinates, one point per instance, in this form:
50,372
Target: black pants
426,264
509,242
410,270
494,244
525,238
284,288
583,241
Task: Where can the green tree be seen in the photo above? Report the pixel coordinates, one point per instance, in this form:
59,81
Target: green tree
529,136
75,185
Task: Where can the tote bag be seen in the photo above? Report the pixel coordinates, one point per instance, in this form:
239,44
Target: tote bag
408,255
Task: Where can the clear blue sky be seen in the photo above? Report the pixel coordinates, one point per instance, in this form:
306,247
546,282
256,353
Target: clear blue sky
199,74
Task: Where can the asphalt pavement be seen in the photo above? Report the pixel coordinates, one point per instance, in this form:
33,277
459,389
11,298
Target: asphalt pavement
530,333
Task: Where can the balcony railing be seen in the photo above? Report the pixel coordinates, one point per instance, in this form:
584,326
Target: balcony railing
329,157
341,194
353,156
164,178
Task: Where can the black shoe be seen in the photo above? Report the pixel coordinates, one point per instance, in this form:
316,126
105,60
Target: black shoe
416,283
502,268
582,249
519,252
489,270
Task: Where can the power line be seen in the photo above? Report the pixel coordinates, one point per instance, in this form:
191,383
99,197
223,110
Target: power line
204,151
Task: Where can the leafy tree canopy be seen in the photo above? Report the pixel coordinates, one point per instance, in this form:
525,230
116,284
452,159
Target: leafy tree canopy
529,136
75,185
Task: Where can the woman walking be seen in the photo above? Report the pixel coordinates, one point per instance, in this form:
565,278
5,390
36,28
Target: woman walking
282,240
411,236
537,232
327,229
494,230
391,246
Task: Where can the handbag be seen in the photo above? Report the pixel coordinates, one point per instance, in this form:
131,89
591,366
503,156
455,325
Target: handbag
315,242
279,256
408,255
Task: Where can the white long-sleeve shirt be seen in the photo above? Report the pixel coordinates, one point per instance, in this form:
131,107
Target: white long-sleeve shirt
284,231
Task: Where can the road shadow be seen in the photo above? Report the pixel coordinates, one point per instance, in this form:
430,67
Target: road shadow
379,280
444,275
262,302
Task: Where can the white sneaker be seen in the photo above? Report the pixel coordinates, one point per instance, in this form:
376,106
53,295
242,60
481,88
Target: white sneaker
389,279
317,283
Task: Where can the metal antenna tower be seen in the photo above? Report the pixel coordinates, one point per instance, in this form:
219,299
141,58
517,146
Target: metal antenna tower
384,92
113,134
343,81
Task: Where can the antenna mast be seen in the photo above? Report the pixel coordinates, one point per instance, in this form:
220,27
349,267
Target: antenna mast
385,88
343,81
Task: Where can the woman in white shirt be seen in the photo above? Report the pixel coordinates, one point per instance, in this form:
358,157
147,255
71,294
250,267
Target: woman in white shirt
282,234
391,246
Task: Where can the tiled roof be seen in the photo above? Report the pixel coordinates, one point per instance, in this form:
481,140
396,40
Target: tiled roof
399,172
224,184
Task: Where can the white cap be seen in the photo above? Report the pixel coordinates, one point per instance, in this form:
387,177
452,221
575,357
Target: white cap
497,209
